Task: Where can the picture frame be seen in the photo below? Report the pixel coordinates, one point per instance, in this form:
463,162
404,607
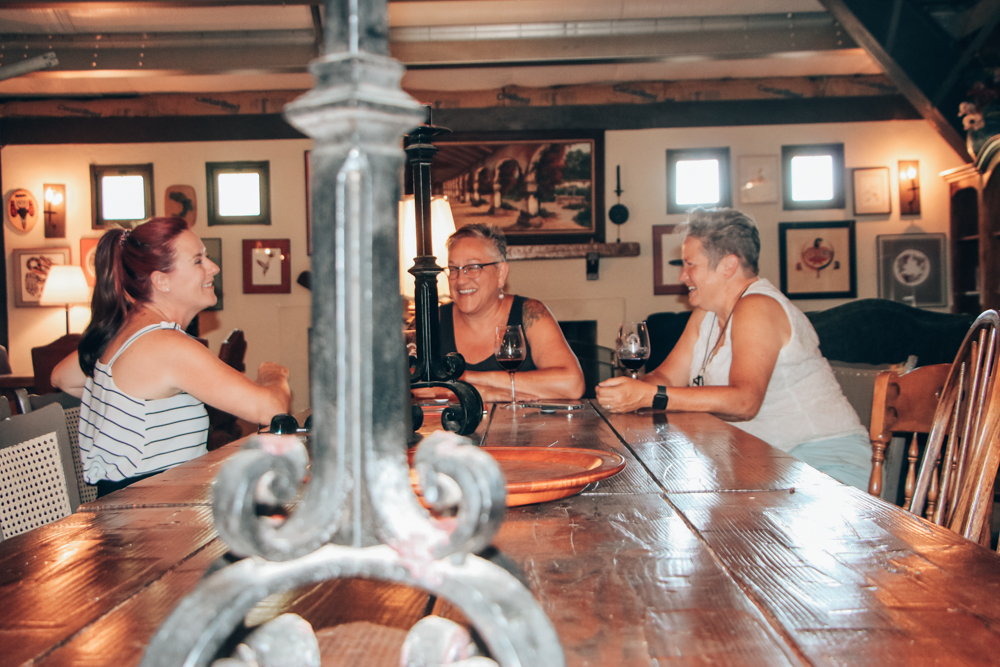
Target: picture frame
539,187
260,275
213,248
88,259
913,269
871,191
31,268
817,260
666,246
759,176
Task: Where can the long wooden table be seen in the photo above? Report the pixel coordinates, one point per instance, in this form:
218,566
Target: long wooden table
711,547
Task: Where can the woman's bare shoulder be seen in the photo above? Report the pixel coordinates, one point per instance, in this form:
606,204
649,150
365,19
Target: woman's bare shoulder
533,311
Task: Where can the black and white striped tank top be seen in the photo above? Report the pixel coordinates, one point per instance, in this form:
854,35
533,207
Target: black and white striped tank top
122,436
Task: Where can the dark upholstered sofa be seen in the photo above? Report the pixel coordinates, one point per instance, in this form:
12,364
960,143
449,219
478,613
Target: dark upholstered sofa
866,331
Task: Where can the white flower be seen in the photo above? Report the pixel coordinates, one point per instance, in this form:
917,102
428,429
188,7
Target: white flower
966,108
973,121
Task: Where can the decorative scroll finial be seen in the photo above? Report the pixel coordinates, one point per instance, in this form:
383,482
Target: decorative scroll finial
357,516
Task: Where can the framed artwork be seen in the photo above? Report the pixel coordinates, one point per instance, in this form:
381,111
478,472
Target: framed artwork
267,266
871,191
31,269
817,260
181,201
666,247
539,187
88,256
213,248
759,176
309,240
22,210
912,268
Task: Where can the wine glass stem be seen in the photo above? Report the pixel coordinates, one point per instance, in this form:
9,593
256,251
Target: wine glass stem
513,401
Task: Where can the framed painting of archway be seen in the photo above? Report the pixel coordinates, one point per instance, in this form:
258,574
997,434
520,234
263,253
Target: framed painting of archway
539,187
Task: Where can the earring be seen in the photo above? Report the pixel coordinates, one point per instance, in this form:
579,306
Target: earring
501,294
168,289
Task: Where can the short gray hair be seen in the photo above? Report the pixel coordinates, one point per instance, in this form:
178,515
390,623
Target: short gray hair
480,230
722,232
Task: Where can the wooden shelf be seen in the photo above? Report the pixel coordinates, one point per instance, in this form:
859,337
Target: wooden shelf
568,251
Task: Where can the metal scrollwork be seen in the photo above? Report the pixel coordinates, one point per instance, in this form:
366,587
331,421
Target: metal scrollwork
351,510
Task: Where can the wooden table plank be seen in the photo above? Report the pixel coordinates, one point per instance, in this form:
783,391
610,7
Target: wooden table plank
626,582
58,579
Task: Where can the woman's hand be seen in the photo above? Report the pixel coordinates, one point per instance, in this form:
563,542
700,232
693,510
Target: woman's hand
623,394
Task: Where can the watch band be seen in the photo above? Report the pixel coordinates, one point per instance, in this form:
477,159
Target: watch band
660,400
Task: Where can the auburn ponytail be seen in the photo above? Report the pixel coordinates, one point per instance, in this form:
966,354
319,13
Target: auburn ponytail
124,263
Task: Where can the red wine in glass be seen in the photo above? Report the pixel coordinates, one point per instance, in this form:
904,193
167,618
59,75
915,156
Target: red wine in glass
632,346
510,351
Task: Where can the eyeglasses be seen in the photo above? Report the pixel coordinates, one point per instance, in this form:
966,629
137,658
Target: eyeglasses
471,270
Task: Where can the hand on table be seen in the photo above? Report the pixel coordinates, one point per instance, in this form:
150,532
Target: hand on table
623,394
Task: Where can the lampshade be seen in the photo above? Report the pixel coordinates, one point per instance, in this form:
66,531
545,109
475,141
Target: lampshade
442,226
65,284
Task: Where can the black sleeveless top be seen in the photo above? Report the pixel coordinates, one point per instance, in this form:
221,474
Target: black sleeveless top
447,338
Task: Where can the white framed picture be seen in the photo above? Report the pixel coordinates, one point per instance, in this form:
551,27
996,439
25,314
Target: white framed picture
758,179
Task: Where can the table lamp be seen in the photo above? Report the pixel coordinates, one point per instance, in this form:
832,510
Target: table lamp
64,286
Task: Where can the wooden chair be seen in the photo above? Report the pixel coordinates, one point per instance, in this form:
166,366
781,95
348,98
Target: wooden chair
223,427
955,485
45,358
36,470
903,403
233,350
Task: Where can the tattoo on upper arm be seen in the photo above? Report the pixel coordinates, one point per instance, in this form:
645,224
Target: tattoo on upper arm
531,312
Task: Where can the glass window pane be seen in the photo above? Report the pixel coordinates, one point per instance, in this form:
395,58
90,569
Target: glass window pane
812,177
239,194
697,182
123,198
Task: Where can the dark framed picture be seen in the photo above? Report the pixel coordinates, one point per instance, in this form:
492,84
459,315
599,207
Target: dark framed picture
267,266
213,248
666,247
912,268
31,269
871,191
817,260
539,187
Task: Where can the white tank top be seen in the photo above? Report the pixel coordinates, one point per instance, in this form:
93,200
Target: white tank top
122,436
803,402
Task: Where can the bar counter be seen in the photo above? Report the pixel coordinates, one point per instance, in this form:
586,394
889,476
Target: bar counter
710,547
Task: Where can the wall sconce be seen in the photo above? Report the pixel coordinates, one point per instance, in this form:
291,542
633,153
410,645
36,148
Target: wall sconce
64,286
55,211
909,187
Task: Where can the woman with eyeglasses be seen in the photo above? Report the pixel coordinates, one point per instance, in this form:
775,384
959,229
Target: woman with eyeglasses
477,270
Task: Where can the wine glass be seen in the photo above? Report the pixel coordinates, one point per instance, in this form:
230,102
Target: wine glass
510,351
632,346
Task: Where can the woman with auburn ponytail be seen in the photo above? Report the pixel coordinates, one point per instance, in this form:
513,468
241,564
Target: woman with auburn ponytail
142,380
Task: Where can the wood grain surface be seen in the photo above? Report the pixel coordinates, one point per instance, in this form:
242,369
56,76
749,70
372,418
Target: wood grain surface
710,547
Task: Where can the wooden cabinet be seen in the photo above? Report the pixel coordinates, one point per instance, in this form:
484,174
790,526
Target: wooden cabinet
975,236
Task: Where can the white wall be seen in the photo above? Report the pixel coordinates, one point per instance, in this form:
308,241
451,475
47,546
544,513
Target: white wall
267,319
275,325
626,284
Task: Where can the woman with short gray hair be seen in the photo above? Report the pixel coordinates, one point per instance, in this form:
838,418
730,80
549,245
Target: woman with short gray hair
749,356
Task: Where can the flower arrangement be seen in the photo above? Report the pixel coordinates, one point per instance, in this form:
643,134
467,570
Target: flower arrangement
980,115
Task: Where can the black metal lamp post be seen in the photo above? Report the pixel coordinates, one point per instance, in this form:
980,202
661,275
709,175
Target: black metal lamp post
429,368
